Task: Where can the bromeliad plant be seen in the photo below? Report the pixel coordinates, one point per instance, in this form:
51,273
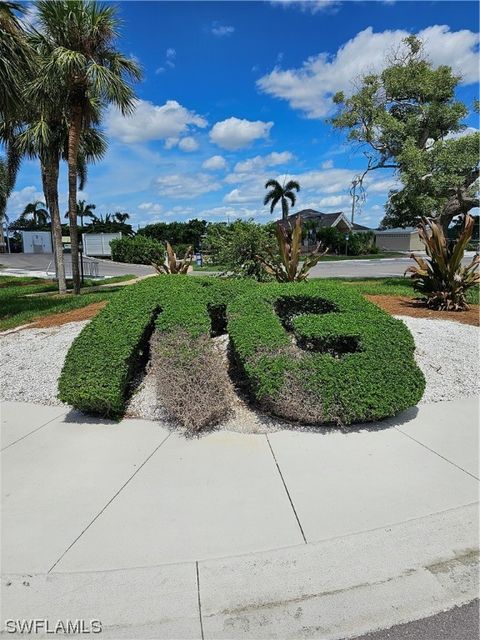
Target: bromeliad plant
441,279
286,266
172,265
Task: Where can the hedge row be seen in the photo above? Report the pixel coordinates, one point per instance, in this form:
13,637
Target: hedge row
315,352
137,250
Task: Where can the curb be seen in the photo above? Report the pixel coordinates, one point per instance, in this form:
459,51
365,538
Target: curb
335,589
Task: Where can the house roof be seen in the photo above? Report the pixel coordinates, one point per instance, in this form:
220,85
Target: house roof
386,232
360,227
323,219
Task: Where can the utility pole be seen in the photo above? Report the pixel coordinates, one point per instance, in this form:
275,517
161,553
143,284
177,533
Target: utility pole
355,183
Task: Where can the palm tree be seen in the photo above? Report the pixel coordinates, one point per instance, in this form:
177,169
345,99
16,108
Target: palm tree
37,211
15,58
45,136
84,211
279,193
121,217
15,69
78,53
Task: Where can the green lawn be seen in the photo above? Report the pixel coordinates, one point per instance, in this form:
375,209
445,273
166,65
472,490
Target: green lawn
18,307
210,267
370,256
395,287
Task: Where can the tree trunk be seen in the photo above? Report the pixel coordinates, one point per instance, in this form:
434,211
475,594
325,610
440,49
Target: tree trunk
50,174
73,144
459,204
284,209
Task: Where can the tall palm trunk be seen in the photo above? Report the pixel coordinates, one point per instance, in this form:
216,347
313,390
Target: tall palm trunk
284,209
73,144
50,171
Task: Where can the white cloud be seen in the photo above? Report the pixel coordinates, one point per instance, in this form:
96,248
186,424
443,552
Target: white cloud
170,55
18,200
188,144
221,30
310,87
215,163
152,122
310,6
259,163
150,206
328,164
334,201
234,133
238,196
186,185
228,213
468,131
327,181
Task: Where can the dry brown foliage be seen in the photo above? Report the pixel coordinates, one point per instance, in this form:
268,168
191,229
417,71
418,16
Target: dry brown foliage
192,380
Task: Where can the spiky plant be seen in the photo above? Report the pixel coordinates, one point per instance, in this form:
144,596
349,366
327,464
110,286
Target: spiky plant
172,264
441,279
283,194
286,266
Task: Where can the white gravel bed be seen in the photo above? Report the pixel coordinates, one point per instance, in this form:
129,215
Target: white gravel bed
448,354
31,361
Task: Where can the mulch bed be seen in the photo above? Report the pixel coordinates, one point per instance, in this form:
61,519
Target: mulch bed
404,306
395,305
76,315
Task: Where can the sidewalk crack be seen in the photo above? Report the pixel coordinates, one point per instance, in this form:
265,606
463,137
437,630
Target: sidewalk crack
109,503
437,454
199,600
287,491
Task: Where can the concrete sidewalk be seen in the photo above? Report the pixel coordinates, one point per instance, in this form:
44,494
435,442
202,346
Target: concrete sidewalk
296,534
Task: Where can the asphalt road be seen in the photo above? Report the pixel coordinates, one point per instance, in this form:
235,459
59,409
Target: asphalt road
387,267
460,623
38,263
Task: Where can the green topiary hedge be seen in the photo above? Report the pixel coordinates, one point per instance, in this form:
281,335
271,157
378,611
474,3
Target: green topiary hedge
353,363
137,250
314,352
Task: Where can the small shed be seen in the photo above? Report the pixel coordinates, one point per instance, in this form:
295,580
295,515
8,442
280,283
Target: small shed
98,244
399,240
36,241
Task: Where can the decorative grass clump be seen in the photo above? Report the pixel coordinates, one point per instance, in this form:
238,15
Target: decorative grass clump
314,352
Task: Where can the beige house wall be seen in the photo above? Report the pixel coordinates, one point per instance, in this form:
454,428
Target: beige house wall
399,241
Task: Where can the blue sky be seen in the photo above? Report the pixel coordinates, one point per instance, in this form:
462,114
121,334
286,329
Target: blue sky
237,92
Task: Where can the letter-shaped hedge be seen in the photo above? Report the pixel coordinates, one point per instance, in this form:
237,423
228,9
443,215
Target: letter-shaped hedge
315,352
320,353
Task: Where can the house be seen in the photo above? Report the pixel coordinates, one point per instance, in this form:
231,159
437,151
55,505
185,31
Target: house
399,240
323,220
360,228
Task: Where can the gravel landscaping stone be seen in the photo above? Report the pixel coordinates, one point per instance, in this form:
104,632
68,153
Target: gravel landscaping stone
31,361
448,354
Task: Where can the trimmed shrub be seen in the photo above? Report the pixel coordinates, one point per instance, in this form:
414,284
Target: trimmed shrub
137,250
353,363
313,352
104,359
